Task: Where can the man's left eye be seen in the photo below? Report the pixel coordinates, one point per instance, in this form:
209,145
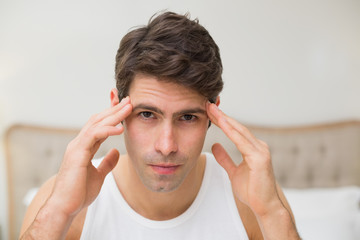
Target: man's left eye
188,117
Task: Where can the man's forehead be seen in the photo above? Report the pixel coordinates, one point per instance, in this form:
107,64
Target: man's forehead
165,98
145,86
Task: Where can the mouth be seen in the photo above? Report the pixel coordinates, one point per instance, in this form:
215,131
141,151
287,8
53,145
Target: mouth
164,169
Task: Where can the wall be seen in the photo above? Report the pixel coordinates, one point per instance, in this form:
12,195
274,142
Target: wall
285,62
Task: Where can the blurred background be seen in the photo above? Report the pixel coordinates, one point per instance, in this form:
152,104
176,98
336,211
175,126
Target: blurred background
286,62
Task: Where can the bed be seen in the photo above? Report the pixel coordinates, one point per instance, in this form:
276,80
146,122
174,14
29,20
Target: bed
318,167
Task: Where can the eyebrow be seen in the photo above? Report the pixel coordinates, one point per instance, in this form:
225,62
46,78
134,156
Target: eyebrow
157,110
147,107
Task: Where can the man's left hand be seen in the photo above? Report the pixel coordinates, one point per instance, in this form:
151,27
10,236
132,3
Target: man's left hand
253,179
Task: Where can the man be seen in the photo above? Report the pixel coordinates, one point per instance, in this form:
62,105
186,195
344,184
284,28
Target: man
168,80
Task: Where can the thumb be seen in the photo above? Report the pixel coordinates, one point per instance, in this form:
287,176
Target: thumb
223,158
109,162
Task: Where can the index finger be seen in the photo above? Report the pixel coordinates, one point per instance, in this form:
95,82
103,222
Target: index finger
100,116
108,123
239,134
117,117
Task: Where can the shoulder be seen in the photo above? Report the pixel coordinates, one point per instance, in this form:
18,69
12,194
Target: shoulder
37,203
76,227
249,220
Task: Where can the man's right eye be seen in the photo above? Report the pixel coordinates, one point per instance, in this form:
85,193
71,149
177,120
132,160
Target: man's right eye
146,115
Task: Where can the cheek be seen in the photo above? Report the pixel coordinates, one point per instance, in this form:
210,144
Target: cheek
135,134
193,139
140,139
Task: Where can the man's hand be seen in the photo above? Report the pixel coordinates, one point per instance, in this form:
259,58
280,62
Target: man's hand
253,180
78,182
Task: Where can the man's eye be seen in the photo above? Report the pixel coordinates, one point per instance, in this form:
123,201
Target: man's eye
188,117
146,115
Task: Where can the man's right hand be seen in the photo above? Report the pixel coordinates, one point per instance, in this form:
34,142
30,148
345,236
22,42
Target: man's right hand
78,182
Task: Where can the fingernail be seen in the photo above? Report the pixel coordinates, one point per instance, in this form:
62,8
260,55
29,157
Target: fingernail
125,99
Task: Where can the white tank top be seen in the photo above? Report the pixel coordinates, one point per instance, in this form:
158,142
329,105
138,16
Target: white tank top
212,215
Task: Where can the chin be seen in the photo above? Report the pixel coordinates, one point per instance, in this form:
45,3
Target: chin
163,187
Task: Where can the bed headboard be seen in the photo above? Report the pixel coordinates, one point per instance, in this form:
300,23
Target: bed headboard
313,156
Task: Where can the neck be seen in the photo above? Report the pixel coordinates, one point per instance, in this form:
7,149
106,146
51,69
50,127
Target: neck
157,205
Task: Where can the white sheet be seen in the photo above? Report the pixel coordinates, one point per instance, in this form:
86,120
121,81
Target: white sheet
331,213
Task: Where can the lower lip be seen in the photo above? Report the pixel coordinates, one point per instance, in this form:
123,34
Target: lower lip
164,170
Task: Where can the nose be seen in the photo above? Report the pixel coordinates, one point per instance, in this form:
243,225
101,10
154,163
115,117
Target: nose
166,140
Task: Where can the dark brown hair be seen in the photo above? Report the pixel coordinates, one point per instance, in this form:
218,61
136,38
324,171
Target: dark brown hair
171,48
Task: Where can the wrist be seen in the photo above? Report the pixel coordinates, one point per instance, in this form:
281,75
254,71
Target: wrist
53,212
266,209
49,223
278,224
279,212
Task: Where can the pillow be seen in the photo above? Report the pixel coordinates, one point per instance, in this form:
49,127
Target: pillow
326,213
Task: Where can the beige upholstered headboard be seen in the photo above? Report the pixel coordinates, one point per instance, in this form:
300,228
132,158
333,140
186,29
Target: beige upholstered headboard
313,156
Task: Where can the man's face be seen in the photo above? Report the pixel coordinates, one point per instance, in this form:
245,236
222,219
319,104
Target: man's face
164,134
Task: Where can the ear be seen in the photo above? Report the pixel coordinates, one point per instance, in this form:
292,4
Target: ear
114,97
217,102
